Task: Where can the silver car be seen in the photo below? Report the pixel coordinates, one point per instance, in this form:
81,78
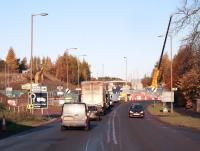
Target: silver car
74,115
93,113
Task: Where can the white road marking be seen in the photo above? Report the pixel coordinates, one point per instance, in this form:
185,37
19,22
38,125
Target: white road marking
108,133
113,129
102,146
164,127
86,148
111,132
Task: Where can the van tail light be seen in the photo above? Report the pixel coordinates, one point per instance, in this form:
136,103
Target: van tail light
85,118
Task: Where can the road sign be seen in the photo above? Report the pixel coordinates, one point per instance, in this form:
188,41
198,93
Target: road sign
12,102
78,89
39,88
27,86
67,91
167,96
59,88
44,88
9,91
60,93
29,106
174,89
32,96
39,100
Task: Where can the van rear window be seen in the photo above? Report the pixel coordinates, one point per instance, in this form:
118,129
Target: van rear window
73,108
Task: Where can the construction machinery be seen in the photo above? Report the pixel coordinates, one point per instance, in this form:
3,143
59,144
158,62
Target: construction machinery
154,83
39,76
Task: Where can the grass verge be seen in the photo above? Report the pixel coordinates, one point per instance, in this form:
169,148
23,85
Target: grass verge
174,118
18,122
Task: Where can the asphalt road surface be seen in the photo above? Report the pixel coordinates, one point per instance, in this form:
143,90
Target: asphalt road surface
115,132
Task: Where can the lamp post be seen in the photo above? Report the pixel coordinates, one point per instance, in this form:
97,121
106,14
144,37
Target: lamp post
31,74
68,65
171,71
126,69
172,96
83,55
103,72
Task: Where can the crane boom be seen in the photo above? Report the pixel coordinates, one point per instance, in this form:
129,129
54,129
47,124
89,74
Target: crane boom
156,71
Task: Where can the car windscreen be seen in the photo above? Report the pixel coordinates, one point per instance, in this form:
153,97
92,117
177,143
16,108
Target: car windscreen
74,109
137,107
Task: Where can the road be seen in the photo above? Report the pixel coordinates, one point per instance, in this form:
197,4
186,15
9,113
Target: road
116,132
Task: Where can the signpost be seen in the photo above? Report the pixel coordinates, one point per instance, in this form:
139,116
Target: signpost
40,101
167,96
38,98
9,91
174,89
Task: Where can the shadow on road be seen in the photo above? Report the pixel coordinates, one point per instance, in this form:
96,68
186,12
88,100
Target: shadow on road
12,129
187,112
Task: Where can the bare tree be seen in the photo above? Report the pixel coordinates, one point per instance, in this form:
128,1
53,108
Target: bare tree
187,17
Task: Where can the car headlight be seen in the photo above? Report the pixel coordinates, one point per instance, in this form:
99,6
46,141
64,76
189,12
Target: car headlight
130,111
142,112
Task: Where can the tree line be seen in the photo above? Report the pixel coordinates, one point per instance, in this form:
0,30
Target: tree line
186,63
65,65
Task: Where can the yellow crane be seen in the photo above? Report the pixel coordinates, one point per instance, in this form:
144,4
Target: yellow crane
154,82
39,76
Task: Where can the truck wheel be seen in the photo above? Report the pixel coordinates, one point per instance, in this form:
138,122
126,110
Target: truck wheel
99,118
87,127
62,128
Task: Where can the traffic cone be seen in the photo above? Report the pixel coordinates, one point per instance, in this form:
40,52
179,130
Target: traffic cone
4,123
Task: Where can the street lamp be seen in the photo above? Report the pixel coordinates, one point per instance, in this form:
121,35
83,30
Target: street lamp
126,69
68,65
31,74
83,55
171,66
103,71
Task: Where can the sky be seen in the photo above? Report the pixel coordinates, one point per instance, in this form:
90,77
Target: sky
105,30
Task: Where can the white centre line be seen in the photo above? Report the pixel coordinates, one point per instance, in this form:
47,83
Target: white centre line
108,133
113,129
86,148
102,146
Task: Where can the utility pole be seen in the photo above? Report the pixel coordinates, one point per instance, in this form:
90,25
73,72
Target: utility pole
126,69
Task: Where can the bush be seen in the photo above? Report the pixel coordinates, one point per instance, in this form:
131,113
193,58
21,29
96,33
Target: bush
2,108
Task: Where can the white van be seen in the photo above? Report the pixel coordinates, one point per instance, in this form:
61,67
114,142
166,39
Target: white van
74,115
115,97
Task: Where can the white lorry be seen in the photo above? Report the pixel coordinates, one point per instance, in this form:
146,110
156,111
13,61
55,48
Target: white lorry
94,94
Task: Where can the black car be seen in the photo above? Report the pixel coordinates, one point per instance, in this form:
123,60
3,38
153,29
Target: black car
136,110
